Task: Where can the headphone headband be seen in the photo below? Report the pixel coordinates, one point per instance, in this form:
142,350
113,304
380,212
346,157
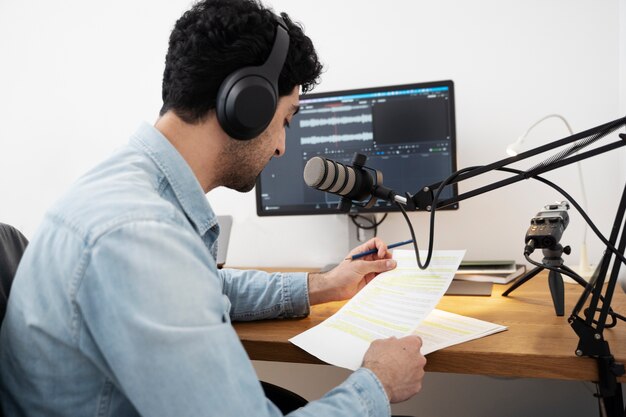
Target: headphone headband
273,65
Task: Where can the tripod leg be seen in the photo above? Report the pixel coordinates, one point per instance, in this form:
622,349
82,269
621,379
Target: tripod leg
522,280
558,292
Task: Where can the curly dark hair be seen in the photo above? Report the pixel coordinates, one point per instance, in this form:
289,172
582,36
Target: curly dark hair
217,37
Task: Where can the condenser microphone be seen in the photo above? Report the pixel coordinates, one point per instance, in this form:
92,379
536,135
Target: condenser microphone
355,183
336,178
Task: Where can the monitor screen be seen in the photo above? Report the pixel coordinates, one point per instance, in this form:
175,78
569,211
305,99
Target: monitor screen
406,131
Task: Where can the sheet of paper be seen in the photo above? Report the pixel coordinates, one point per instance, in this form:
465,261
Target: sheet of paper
393,304
442,329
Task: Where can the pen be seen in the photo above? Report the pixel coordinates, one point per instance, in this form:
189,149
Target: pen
373,251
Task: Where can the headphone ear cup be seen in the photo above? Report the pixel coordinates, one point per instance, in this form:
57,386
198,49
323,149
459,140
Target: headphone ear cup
247,98
246,103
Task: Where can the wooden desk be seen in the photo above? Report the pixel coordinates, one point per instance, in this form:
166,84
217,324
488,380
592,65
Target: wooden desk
537,344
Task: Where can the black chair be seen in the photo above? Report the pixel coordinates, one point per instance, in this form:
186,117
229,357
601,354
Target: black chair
12,246
286,401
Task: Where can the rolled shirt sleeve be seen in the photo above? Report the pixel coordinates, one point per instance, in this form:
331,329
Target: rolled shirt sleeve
256,295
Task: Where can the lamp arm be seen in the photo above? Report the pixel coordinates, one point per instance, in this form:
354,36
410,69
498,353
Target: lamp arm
558,116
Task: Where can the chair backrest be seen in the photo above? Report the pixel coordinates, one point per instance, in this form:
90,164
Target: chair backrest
226,223
12,246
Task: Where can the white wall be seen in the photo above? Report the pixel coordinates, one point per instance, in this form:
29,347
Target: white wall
76,77
622,66
622,55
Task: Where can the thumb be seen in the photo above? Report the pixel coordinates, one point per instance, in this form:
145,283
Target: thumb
380,265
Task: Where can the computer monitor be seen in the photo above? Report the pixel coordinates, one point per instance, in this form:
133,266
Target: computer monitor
406,131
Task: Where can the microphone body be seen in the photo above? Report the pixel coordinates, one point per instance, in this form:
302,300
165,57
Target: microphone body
352,183
323,174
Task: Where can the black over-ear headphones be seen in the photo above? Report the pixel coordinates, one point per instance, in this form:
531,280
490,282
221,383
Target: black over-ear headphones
247,98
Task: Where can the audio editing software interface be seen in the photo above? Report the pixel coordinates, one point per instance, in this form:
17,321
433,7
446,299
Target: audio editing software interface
406,133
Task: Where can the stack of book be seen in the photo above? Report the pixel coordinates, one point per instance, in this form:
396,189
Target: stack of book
498,272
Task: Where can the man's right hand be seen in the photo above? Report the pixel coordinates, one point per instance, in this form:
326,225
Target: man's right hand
398,364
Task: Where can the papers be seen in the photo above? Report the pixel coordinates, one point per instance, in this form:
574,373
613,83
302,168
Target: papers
442,329
393,304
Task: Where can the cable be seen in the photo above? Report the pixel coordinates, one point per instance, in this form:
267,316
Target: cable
575,147
433,209
614,316
373,224
515,171
582,212
417,252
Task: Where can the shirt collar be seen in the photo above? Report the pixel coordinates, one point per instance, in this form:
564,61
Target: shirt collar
184,183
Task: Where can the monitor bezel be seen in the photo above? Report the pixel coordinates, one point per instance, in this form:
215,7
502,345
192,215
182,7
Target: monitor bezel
356,209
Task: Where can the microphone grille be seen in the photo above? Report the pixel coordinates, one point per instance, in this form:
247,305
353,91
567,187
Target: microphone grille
314,171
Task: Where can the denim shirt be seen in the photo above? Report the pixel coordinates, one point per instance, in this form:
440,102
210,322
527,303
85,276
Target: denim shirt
118,308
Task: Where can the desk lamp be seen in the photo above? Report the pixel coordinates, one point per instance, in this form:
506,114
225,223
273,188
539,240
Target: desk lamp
584,269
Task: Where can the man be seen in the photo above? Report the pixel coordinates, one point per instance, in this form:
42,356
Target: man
118,308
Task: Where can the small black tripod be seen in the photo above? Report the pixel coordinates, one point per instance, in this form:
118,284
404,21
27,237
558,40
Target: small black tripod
551,258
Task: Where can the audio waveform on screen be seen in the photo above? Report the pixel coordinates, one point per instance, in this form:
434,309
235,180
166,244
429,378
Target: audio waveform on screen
314,140
334,109
331,121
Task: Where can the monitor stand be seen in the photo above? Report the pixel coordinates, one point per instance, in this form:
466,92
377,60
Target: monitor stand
357,235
